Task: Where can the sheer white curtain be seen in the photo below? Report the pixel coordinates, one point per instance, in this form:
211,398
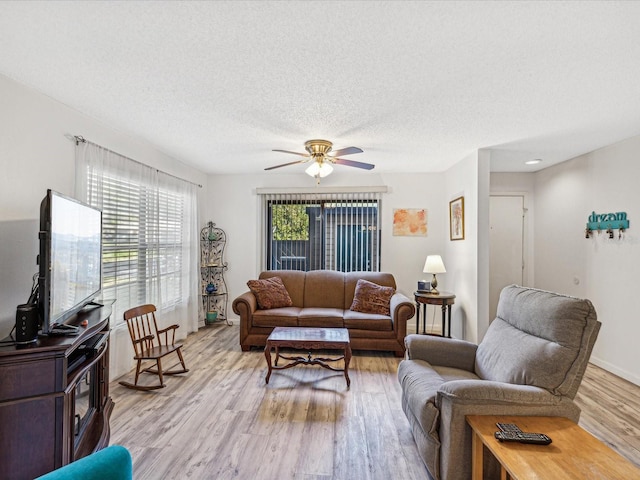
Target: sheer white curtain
150,241
186,278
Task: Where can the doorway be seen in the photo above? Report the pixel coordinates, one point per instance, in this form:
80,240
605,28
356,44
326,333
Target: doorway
506,245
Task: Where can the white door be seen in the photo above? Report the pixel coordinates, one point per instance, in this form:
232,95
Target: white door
506,245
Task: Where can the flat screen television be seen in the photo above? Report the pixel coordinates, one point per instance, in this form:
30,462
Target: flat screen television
70,260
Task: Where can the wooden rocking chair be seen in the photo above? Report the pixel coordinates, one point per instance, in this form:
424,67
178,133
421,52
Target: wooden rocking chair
149,343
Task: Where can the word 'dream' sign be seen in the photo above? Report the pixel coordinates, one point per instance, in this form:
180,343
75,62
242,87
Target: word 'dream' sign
603,221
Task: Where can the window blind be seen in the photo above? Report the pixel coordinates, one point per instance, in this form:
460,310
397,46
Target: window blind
311,231
142,240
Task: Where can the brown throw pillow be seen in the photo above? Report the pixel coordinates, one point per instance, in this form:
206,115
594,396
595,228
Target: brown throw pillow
270,293
372,298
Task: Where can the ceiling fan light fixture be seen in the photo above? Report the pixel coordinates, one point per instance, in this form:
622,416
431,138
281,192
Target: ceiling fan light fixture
318,169
321,162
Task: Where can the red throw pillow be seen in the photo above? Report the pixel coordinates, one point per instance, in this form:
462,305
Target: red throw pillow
270,293
372,298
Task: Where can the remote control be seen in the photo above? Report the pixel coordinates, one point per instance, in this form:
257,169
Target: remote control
523,437
508,427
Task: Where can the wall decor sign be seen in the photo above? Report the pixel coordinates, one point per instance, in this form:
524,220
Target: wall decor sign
456,219
607,222
602,221
411,222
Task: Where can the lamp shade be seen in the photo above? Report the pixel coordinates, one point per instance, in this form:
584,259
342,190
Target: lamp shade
317,169
434,264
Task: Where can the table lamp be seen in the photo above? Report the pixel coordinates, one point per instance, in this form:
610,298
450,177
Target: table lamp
434,265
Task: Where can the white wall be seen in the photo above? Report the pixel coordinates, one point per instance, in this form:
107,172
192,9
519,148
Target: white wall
36,155
235,207
467,260
405,256
600,269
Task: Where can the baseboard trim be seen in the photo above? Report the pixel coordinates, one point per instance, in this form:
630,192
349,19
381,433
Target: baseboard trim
635,379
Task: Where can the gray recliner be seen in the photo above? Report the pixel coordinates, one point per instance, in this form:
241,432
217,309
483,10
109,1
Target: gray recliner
530,362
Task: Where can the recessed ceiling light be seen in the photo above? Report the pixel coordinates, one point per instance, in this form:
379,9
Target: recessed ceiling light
533,162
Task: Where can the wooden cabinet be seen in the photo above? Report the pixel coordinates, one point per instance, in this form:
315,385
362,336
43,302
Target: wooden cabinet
54,398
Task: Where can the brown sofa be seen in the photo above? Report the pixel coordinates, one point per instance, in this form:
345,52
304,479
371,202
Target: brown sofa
322,298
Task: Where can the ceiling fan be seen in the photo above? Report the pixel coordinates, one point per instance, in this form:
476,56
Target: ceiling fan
318,151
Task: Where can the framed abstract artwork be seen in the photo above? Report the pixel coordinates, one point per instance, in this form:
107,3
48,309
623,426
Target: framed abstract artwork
410,222
456,219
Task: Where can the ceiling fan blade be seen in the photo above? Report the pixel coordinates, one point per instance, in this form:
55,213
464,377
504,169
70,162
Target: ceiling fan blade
346,151
286,164
293,153
351,163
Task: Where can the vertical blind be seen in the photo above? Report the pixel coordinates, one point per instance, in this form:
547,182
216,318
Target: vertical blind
311,231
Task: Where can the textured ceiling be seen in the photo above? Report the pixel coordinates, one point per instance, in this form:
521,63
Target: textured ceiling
417,85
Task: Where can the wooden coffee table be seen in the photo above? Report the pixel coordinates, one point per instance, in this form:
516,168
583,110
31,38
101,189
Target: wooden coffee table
302,338
572,454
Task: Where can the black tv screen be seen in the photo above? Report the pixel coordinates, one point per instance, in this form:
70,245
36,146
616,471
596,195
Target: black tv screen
70,260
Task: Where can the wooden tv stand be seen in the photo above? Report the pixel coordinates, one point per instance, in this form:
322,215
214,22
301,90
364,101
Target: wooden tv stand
54,398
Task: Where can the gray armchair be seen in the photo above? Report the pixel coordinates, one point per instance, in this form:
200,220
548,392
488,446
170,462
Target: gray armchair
530,362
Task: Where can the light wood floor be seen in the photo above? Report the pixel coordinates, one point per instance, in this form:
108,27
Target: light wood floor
220,421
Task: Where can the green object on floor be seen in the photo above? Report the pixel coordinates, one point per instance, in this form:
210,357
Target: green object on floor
111,463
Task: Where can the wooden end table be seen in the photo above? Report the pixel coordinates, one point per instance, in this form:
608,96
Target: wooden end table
444,299
302,338
572,454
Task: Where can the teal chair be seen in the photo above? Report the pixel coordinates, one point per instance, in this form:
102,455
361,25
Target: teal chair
111,463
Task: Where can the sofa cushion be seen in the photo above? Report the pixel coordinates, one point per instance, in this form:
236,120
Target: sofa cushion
372,298
294,281
535,324
276,317
324,288
351,280
321,317
450,374
270,293
367,321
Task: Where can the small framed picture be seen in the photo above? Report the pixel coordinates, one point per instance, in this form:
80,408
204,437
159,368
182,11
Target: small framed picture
456,219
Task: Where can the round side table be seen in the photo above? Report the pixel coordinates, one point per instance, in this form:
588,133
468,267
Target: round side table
444,299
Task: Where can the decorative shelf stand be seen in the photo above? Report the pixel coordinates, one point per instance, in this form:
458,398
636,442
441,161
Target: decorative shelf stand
215,298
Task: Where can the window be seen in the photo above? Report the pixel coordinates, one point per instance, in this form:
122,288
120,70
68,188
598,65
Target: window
142,234
150,241
312,231
150,233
